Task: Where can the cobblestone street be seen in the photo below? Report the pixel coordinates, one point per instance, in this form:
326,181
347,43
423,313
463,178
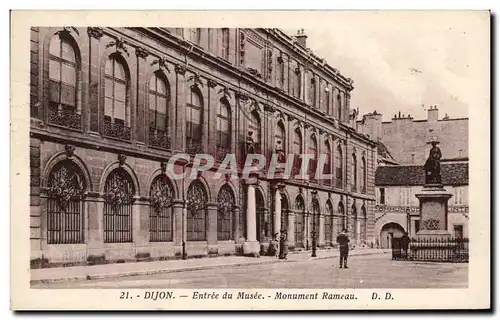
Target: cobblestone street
370,271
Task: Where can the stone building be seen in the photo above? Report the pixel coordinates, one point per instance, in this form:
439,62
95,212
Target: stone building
402,152
111,106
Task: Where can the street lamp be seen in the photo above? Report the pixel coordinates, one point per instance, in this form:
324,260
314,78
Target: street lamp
184,211
408,220
314,200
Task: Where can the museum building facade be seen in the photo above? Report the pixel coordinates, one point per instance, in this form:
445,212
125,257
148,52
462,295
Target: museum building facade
110,106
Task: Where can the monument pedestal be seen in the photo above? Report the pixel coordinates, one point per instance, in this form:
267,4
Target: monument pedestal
433,212
432,239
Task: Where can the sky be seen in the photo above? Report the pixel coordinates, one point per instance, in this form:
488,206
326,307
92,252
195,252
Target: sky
401,61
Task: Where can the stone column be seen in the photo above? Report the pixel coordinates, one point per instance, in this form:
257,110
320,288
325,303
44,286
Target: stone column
291,230
95,244
321,230
95,35
178,135
212,224
140,225
236,223
277,213
178,232
251,247
358,231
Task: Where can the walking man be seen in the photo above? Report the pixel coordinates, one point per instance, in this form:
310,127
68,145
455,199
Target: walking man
343,242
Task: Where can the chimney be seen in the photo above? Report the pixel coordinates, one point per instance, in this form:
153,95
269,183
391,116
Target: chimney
432,114
373,125
301,38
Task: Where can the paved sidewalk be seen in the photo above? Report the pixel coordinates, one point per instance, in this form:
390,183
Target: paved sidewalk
117,270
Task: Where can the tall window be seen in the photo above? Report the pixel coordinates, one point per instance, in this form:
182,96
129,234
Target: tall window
119,192
338,168
354,173
328,103
381,198
299,222
158,103
116,112
339,107
196,212
160,210
297,83
459,195
297,151
225,209
405,196
354,213
313,149
195,35
65,222
312,91
194,121
329,223
223,129
280,72
254,126
63,83
327,170
363,175
225,43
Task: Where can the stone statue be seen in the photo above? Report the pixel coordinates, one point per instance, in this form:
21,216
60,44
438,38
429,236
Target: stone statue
250,143
432,166
279,151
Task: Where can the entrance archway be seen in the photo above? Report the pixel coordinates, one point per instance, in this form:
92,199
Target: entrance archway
261,223
388,232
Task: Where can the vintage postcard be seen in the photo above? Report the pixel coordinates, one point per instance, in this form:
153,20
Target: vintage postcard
277,160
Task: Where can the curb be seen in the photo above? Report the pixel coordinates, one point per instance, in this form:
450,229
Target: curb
150,272
183,269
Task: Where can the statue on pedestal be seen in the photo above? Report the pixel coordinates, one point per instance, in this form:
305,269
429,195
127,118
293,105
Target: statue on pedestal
279,151
432,166
250,144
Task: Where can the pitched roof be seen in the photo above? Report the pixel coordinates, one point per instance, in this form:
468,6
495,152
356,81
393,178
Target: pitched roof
451,174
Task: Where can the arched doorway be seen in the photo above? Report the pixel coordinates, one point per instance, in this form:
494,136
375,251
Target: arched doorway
299,222
261,223
388,232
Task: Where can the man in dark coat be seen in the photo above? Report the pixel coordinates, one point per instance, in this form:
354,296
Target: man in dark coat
405,241
343,242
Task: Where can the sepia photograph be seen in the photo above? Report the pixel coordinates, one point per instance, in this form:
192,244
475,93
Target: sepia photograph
296,163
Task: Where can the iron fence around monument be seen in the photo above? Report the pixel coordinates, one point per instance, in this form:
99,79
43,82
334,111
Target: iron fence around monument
436,250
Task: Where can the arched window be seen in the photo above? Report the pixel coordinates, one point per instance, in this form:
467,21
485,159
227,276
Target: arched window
262,219
119,197
194,121
280,136
339,168
342,221
297,83
254,126
297,151
160,210
312,91
159,98
223,129
299,222
225,210
329,223
64,204
280,72
354,173
339,107
313,150
284,212
116,109
327,170
314,219
363,175
196,212
64,82
328,102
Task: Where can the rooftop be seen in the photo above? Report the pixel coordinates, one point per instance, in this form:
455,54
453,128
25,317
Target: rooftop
453,174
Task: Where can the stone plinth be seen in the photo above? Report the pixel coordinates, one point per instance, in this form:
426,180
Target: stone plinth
433,212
